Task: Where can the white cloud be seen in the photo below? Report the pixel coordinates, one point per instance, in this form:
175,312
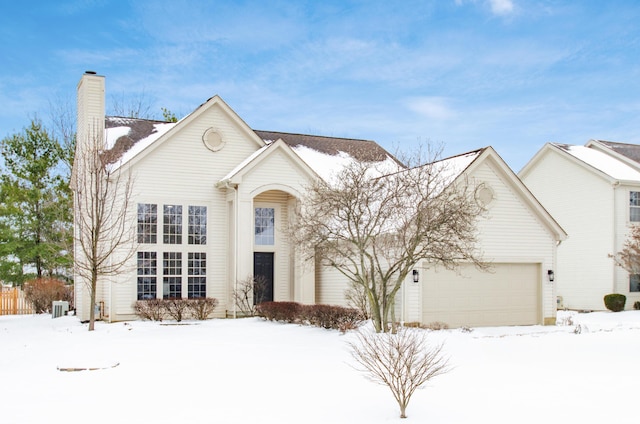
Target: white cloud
435,108
501,7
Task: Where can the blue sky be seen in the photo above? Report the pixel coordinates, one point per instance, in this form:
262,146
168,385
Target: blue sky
513,74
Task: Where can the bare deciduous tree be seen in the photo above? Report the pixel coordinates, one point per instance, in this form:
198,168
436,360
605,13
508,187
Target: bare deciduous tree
374,226
404,361
104,225
629,257
248,293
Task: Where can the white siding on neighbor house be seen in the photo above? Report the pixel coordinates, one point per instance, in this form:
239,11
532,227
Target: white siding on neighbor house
182,171
622,227
582,203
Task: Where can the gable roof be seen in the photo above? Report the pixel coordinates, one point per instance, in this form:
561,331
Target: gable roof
489,154
596,156
632,151
126,137
362,150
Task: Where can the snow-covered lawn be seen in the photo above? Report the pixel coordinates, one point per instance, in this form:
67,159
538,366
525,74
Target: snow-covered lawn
252,371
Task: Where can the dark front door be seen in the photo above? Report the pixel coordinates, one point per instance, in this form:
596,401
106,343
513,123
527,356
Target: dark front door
262,277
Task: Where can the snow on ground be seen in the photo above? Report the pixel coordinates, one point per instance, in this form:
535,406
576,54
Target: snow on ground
240,371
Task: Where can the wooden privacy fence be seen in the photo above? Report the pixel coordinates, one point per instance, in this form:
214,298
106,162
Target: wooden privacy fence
13,302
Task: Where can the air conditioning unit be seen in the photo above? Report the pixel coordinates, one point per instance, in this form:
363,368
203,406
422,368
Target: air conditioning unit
559,303
59,308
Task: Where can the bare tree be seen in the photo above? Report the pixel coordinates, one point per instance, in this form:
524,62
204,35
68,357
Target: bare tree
375,226
138,106
248,293
629,257
104,226
404,361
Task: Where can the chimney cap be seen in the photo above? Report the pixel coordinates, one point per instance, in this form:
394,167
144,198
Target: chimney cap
90,72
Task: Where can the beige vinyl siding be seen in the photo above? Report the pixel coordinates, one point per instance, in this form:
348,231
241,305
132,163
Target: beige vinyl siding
582,203
330,286
182,171
512,233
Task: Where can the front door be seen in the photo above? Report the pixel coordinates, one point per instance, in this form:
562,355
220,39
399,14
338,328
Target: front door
262,277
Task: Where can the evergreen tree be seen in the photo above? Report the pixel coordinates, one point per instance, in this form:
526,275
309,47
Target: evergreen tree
35,207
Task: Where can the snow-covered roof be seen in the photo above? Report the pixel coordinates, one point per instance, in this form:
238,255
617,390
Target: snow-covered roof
126,137
601,161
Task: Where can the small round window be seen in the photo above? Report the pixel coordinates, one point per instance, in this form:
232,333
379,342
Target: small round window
484,195
213,139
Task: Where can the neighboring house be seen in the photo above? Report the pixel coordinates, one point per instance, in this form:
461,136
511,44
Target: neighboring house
594,193
213,197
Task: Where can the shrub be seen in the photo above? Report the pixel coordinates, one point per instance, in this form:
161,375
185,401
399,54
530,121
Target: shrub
331,317
176,308
404,362
636,306
437,325
42,292
615,302
279,311
203,307
151,309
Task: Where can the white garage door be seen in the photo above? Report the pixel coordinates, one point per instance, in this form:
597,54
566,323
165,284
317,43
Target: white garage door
507,295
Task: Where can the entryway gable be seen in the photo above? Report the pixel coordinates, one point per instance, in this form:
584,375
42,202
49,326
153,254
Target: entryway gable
275,163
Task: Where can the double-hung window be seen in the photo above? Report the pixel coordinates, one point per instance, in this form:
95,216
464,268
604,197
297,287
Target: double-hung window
172,219
634,206
147,223
172,275
147,274
197,225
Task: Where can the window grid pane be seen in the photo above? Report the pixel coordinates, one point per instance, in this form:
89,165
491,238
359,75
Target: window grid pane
197,270
197,225
634,206
264,226
172,224
147,223
634,282
147,271
172,275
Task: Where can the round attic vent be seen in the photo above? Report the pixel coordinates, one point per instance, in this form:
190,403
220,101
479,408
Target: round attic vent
213,139
484,195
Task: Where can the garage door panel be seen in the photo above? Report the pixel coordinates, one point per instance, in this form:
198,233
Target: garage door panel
508,295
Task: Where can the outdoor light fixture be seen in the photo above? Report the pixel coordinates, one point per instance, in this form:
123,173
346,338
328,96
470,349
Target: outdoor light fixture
416,276
550,274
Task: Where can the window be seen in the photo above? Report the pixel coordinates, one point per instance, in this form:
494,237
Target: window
197,280
172,224
264,226
147,223
634,282
172,275
147,271
197,225
634,206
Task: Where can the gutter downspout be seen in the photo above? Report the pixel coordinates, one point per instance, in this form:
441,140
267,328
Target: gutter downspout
615,186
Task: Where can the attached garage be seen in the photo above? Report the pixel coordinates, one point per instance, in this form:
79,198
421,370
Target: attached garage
508,294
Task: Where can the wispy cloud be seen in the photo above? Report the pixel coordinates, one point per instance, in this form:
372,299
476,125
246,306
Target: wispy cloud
501,7
435,108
